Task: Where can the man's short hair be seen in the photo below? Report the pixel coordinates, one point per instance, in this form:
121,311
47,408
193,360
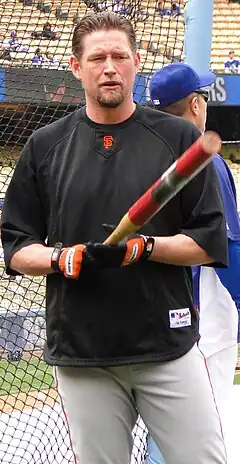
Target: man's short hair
180,107
105,20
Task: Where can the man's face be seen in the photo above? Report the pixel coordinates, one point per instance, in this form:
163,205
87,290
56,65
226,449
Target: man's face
231,54
107,67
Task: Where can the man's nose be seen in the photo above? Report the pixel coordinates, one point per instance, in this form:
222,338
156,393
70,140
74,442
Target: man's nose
109,67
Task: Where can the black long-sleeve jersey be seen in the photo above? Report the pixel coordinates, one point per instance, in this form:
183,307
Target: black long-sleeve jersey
73,176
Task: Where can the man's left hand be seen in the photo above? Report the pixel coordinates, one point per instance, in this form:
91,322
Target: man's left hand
134,248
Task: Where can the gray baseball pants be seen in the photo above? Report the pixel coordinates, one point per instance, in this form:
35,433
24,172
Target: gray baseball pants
174,399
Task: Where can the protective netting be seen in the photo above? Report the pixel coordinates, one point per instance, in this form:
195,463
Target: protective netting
36,87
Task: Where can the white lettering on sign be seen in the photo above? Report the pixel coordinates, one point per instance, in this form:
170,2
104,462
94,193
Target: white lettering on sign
218,92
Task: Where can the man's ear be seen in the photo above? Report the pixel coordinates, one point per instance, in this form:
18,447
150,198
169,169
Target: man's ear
76,68
194,106
137,61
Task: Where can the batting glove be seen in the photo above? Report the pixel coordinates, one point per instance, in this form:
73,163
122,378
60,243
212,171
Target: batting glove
135,248
71,260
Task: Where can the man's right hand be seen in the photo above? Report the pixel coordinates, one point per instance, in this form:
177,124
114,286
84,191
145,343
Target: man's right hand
72,260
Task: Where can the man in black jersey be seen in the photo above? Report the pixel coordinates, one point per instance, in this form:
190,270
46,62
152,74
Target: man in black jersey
121,332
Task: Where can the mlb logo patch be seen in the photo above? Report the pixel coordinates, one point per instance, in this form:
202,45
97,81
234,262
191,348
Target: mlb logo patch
179,318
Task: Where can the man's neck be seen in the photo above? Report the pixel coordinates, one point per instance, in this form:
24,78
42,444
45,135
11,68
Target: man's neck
117,115
190,118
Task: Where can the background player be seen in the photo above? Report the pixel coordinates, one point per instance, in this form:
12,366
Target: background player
177,89
74,175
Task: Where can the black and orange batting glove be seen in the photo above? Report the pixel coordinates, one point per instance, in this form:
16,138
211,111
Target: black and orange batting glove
69,260
135,248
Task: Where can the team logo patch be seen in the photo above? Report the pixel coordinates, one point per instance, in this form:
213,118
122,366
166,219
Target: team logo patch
179,318
107,144
108,141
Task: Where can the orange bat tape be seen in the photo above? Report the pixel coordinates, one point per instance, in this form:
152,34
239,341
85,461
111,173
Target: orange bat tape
167,186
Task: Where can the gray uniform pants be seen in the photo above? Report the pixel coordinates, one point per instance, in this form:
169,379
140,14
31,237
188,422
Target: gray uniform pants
174,399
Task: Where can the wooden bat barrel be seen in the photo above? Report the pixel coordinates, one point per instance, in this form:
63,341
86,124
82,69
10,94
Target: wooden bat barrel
179,174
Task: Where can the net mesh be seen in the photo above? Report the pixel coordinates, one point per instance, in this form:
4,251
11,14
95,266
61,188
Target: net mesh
36,88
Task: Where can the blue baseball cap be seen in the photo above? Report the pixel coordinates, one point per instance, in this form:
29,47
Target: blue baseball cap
176,81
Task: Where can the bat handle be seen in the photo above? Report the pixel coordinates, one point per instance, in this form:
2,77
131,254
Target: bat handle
124,228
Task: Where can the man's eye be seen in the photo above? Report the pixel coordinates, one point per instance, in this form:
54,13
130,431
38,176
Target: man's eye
119,57
97,58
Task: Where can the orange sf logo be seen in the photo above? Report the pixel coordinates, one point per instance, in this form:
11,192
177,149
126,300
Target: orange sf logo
107,141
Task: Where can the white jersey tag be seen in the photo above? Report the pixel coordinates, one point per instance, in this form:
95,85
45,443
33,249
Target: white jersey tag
179,318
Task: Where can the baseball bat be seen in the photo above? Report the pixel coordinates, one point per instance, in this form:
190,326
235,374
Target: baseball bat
179,174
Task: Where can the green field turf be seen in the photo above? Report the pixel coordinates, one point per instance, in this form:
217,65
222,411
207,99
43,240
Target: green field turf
237,379
27,374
